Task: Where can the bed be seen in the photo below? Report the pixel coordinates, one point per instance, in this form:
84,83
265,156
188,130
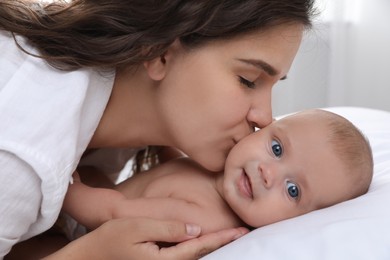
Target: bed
355,229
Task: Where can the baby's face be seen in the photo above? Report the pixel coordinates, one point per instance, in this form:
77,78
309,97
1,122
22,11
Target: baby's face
284,170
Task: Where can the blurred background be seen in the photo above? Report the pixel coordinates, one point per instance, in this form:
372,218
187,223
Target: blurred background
343,61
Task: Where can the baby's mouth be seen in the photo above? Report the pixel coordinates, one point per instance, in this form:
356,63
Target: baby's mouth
245,185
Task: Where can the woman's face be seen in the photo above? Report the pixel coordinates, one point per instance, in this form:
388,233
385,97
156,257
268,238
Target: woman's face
213,96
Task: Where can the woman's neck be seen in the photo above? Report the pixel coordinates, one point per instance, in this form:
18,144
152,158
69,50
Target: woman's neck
129,119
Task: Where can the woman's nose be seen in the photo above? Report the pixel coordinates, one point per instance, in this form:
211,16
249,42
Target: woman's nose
260,113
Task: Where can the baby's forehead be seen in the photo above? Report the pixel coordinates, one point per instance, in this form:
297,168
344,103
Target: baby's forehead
310,116
327,190
303,122
329,183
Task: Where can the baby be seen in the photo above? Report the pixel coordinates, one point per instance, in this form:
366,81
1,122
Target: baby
306,161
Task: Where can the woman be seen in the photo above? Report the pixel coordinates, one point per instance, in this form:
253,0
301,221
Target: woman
194,75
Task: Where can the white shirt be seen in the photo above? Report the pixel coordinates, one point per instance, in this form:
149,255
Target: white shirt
47,118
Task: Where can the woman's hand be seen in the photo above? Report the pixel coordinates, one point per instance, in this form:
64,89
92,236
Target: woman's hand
134,238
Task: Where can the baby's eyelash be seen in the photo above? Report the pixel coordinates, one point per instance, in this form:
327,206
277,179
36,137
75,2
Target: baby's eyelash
247,83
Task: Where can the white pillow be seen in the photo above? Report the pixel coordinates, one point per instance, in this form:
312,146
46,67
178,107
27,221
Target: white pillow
355,229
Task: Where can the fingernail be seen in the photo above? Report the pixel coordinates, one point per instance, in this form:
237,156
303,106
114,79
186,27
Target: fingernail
238,236
192,229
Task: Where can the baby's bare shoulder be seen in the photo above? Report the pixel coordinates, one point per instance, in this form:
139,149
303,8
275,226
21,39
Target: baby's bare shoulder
184,164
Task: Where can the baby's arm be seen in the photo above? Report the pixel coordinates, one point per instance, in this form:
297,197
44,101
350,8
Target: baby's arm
92,207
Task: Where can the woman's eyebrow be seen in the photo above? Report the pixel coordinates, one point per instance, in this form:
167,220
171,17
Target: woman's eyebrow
261,65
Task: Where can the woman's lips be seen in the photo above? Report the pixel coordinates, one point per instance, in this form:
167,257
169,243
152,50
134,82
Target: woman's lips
245,185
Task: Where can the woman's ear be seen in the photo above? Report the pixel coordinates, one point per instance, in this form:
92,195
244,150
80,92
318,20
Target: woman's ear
157,68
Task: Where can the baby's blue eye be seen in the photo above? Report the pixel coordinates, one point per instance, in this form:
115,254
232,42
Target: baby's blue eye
276,148
292,190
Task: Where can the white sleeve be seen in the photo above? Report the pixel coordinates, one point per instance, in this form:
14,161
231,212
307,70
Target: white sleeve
20,200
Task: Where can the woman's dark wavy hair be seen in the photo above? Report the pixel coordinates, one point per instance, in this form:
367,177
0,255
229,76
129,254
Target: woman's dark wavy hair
117,33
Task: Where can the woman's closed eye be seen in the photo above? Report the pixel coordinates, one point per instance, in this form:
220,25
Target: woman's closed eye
247,83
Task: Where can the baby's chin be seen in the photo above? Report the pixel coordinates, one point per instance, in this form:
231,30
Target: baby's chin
256,224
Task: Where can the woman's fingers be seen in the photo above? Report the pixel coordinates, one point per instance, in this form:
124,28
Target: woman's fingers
137,238
199,247
146,232
167,231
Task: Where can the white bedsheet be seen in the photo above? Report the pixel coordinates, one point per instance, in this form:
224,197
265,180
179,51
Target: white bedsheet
355,229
